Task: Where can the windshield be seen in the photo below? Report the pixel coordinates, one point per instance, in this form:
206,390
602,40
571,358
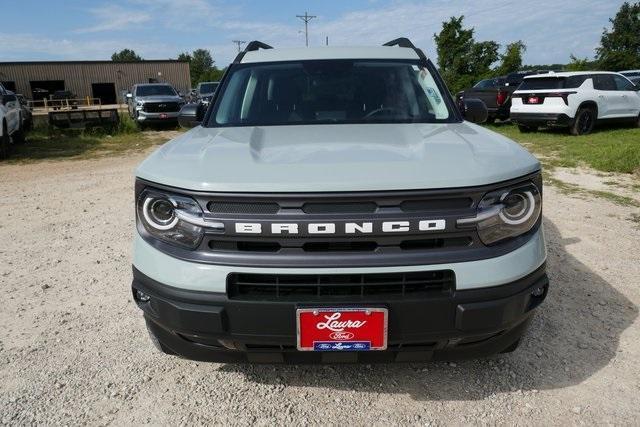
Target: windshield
155,90
330,91
208,87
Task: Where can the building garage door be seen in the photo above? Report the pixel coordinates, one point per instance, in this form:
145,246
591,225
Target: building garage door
105,91
41,89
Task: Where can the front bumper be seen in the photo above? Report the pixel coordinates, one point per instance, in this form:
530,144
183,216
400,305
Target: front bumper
144,116
209,326
541,119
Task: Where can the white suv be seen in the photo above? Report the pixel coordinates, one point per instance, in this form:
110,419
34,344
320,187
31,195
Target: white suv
11,129
574,99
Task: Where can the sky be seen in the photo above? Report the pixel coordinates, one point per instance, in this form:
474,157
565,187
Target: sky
42,30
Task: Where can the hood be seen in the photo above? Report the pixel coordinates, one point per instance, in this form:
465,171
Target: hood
324,158
159,98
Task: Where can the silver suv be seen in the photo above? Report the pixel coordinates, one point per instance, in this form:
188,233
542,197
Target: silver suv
334,205
154,102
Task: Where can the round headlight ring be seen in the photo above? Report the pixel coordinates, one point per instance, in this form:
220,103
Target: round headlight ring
148,207
529,207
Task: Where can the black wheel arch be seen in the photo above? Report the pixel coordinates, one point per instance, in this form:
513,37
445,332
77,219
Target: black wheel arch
589,104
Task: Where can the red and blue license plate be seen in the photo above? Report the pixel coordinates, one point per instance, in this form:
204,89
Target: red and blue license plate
341,329
534,100
164,116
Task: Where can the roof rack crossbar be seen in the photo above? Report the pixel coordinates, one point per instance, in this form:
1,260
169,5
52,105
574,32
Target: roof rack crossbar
405,42
251,46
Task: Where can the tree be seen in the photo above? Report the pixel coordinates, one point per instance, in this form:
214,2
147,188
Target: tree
511,60
201,65
620,48
578,64
184,56
463,61
126,55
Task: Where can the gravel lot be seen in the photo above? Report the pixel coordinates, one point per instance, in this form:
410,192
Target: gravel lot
74,349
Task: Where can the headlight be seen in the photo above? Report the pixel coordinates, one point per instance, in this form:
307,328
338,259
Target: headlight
171,218
139,103
506,213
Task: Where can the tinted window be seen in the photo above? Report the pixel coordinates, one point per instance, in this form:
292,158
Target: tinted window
486,84
623,84
155,90
573,82
330,91
604,82
538,83
631,73
208,87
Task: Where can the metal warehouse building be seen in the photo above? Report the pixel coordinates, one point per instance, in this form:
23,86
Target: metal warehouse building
107,80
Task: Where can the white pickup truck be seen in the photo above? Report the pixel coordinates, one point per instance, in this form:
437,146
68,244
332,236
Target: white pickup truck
11,121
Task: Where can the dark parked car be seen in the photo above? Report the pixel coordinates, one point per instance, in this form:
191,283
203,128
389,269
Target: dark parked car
204,92
495,93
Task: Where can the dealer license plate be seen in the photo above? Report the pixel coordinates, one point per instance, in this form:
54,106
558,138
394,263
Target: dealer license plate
341,329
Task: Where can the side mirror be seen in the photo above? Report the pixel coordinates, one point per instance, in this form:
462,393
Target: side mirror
191,115
8,98
473,110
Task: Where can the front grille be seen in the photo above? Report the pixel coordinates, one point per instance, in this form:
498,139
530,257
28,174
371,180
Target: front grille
161,107
342,229
313,287
356,245
224,207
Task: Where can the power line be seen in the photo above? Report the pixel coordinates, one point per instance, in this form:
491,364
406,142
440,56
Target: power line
306,18
239,43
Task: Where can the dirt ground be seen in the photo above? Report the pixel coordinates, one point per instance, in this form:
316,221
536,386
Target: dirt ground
74,349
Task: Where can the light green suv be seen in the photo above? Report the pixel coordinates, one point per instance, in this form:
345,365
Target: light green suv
334,205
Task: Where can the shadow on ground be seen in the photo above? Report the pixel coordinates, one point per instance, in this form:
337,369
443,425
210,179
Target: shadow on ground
575,333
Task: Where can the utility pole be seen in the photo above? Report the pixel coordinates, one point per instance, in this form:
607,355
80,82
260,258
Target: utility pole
306,18
239,43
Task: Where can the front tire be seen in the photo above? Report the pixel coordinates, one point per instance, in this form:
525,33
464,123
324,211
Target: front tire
4,143
584,122
19,136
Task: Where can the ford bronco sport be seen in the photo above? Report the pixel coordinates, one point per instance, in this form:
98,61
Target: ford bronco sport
333,205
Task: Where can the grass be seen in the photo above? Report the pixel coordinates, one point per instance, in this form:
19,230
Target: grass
608,149
573,189
44,143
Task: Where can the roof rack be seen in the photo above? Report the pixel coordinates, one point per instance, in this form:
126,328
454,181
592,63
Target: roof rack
405,42
252,46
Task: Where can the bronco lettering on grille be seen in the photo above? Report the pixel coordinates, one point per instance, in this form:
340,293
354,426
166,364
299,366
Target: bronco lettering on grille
345,228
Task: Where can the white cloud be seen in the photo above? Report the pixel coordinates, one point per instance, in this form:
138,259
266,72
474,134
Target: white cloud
113,18
27,46
550,29
161,28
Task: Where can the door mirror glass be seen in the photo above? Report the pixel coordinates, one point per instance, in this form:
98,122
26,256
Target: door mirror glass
191,115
